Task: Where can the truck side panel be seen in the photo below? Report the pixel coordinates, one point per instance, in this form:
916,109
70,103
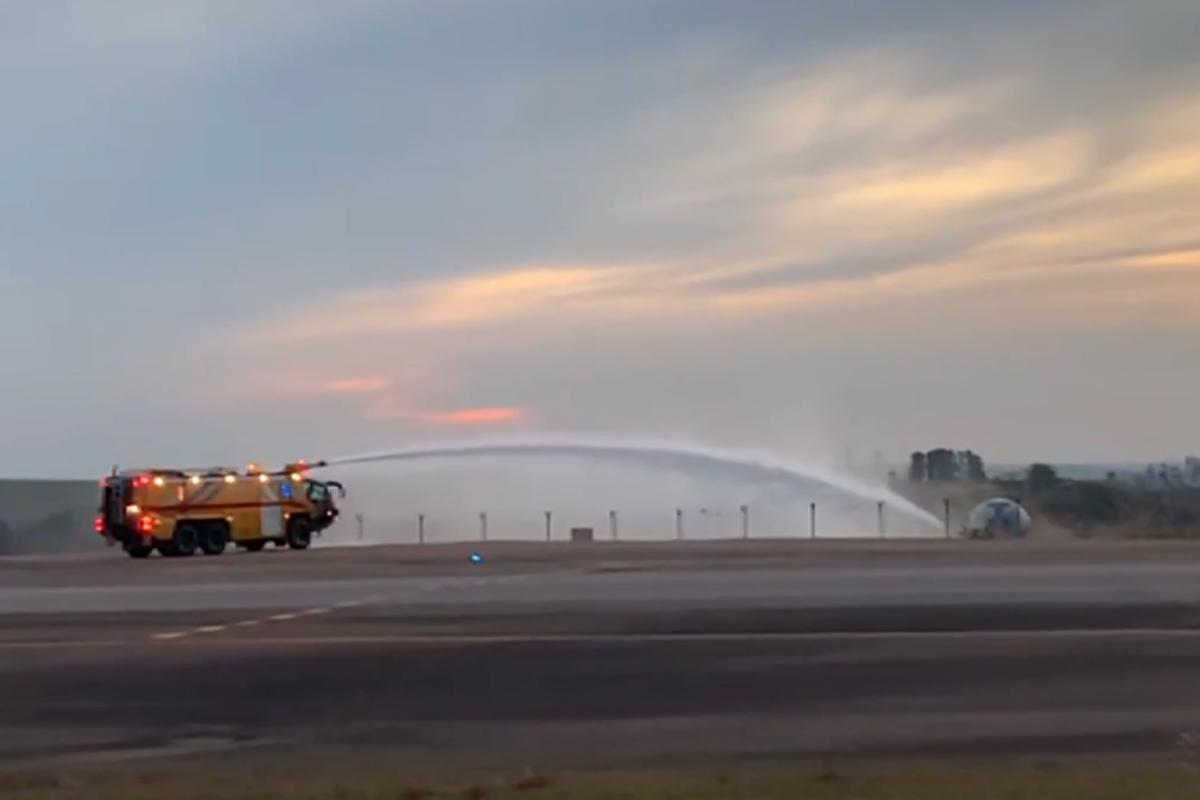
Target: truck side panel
253,508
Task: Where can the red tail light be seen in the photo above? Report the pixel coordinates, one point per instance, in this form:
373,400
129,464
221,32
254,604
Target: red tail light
147,524
141,480
99,525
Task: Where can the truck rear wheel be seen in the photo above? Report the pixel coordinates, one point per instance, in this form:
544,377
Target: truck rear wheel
138,550
185,541
214,538
299,533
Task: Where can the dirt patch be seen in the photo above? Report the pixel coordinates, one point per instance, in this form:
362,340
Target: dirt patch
1049,780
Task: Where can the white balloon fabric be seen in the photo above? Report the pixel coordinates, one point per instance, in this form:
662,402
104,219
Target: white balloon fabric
999,518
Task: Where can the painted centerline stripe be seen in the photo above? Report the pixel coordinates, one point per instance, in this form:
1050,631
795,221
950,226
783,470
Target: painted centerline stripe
250,623
633,638
65,645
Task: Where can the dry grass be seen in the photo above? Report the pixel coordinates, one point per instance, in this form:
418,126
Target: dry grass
1073,780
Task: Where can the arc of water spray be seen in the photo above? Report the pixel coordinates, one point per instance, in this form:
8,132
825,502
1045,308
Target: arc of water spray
742,466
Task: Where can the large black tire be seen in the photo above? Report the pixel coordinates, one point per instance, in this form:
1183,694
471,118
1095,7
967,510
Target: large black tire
138,551
255,546
299,533
185,541
214,538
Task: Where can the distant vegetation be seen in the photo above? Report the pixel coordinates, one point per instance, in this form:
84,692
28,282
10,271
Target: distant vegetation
1086,504
942,465
1088,507
1163,500
1169,476
47,516
1041,478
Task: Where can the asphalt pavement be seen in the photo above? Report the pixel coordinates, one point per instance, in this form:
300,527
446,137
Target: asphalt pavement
550,658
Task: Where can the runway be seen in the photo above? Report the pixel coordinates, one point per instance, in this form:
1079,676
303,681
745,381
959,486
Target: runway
601,656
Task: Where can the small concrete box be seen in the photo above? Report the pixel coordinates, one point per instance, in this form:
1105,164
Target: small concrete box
582,535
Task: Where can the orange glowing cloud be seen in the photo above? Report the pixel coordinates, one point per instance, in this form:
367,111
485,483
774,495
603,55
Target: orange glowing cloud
489,297
475,416
906,188
363,385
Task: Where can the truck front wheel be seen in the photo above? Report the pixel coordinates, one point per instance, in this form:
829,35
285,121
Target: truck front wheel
299,533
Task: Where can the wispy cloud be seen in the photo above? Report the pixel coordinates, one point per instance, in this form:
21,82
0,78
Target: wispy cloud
362,385
537,291
936,186
385,408
390,216
869,178
492,415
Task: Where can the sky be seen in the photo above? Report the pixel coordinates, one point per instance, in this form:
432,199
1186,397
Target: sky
237,230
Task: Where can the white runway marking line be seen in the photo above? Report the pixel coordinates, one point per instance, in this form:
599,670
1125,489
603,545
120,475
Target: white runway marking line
250,623
62,645
619,638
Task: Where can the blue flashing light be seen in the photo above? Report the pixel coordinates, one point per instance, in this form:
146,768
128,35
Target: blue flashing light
476,558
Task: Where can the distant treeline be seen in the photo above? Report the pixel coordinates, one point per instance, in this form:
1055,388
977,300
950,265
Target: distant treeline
943,465
47,516
1169,475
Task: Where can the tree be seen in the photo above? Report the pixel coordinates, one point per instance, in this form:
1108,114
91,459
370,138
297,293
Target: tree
972,466
1152,477
916,468
942,465
1175,475
1041,478
8,540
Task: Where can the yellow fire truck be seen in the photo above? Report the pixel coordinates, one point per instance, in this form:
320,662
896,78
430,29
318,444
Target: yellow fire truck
178,512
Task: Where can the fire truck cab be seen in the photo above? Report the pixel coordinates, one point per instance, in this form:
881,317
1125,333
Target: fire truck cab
178,512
